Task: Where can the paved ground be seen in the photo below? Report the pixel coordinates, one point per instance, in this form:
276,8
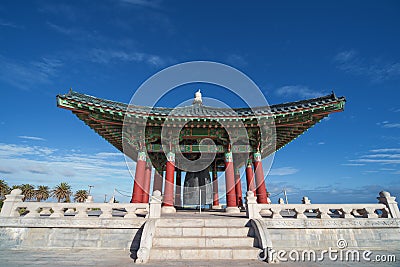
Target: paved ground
59,257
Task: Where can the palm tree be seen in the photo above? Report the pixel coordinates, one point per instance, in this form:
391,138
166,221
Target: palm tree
62,192
4,189
80,195
42,193
15,187
28,191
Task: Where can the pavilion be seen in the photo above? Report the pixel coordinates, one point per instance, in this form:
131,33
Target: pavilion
268,129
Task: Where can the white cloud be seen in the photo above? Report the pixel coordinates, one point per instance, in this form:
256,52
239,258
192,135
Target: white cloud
9,24
391,125
383,161
385,150
107,56
12,150
297,91
381,156
236,60
353,164
345,56
63,30
41,165
25,74
350,62
390,156
143,3
283,171
31,138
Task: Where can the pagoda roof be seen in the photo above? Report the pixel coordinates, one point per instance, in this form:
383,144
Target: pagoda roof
199,110
282,123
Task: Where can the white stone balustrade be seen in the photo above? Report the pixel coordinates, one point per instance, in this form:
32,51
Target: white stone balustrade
14,207
387,208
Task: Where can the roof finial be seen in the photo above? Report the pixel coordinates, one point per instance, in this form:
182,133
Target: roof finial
197,98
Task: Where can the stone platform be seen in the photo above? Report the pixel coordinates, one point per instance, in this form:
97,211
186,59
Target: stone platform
109,258
118,234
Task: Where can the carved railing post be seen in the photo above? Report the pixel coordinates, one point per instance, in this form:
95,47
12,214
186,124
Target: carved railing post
81,211
33,212
252,209
300,212
346,213
323,213
155,205
390,202
9,208
130,212
370,213
276,211
106,211
58,211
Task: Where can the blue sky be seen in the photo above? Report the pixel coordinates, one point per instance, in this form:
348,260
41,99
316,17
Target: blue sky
292,50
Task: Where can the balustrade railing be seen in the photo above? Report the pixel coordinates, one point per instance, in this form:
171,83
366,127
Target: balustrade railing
15,207
80,210
387,208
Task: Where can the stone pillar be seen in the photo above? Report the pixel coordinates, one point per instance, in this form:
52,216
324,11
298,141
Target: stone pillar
138,185
158,180
168,200
178,188
252,209
230,184
146,189
261,190
8,209
155,205
250,177
390,202
238,188
215,204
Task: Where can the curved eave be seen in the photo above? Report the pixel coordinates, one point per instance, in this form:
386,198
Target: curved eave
85,103
291,119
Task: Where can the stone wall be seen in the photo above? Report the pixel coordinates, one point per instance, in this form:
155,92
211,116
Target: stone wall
301,234
84,234
320,239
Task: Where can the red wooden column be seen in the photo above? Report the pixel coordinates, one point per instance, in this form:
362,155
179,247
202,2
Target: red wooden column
215,188
168,199
138,185
146,189
158,180
230,184
178,188
250,177
261,190
238,188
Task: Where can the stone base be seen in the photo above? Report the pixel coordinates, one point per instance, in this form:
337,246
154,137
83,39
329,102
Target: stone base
168,209
232,210
216,207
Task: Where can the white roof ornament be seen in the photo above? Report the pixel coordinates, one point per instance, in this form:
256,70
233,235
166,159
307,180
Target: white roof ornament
197,98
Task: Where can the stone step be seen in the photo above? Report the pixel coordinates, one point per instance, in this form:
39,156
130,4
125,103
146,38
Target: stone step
201,242
198,222
195,253
203,231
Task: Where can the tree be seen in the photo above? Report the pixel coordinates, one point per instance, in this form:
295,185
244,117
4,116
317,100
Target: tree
80,195
28,191
4,189
42,193
62,192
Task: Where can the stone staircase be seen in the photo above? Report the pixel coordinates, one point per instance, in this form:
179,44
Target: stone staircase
194,239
